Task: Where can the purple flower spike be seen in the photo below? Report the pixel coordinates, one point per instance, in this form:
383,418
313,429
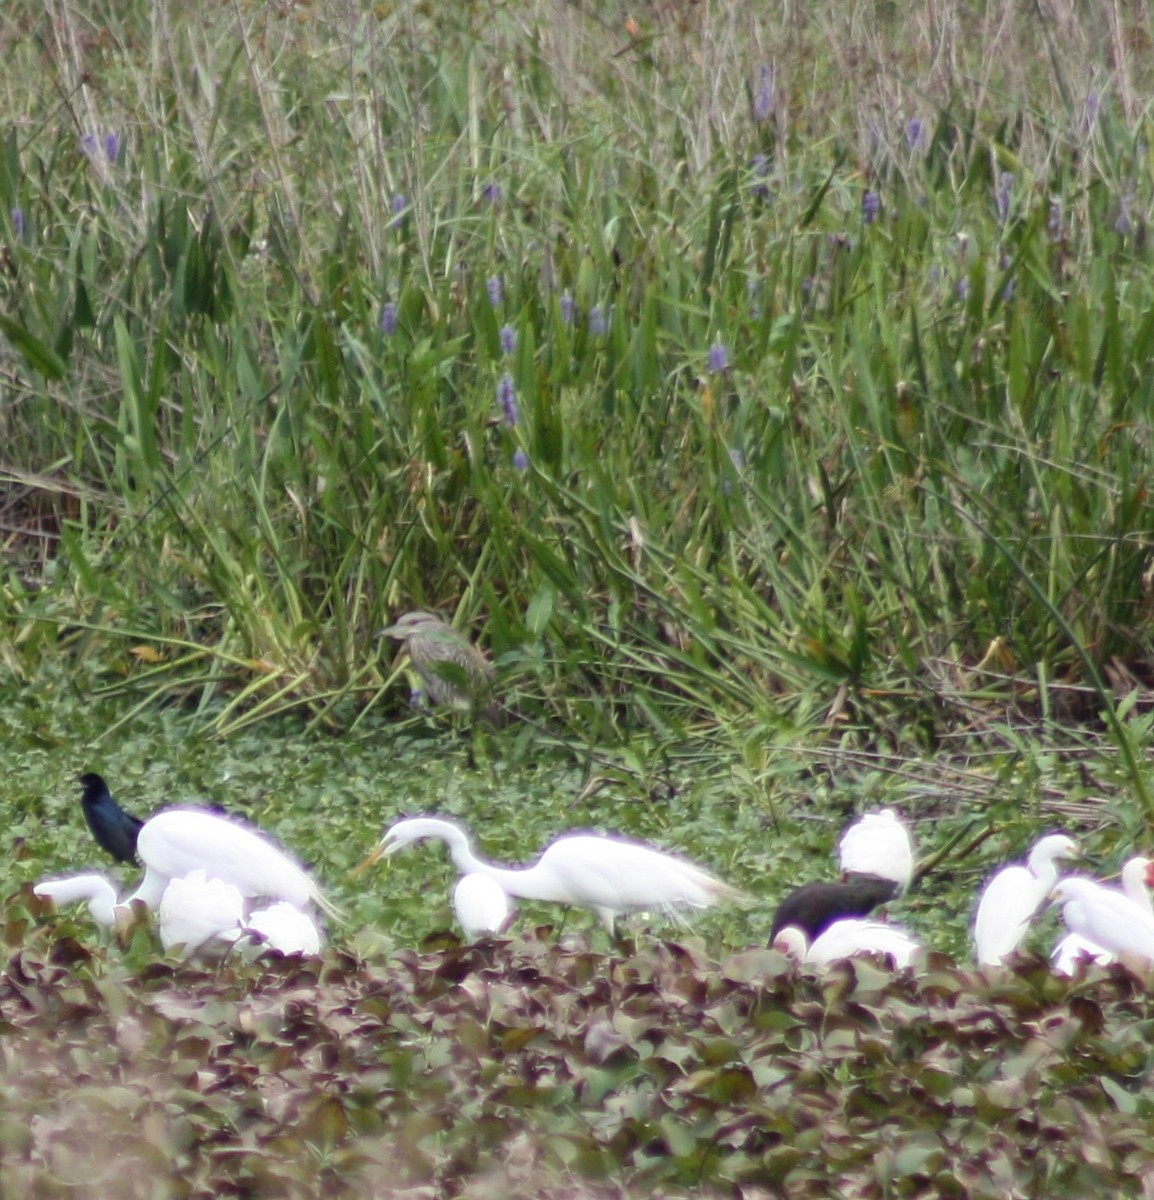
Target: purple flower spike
112,147
1093,108
597,322
763,97
718,358
494,193
963,288
568,307
917,134
871,206
389,318
18,223
89,144
496,287
759,165
398,205
507,398
520,460
508,339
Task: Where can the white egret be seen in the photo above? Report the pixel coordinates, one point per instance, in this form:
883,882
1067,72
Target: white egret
846,939
607,874
202,914
1107,918
179,840
96,889
1011,898
879,844
482,906
284,927
1074,948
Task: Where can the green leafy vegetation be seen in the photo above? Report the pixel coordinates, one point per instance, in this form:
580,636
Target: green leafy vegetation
767,393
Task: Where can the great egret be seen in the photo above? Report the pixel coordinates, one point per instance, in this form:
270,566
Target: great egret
201,914
482,905
455,673
179,840
95,889
846,939
284,927
607,874
878,844
115,830
1107,918
1012,897
1074,948
814,907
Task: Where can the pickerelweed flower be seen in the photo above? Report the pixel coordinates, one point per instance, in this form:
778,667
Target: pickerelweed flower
1003,194
508,336
917,133
763,95
871,206
759,165
493,193
597,322
963,288
18,223
520,459
399,208
568,307
389,318
496,288
718,358
1090,114
108,144
507,399
1006,262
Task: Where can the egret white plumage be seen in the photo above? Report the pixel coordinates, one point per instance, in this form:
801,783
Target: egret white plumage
1107,918
93,888
179,840
1075,949
1011,898
200,914
847,939
878,844
607,874
284,927
482,906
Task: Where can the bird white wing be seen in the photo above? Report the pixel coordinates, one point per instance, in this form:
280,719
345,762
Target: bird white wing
179,840
481,905
1005,909
611,873
1106,917
844,939
1074,949
196,911
879,844
282,926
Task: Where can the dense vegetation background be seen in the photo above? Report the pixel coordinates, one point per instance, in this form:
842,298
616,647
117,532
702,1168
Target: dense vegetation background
766,387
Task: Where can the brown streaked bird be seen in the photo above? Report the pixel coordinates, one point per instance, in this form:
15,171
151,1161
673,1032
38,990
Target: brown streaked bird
454,672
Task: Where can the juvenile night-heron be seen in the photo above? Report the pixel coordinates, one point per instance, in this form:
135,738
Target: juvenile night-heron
454,672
